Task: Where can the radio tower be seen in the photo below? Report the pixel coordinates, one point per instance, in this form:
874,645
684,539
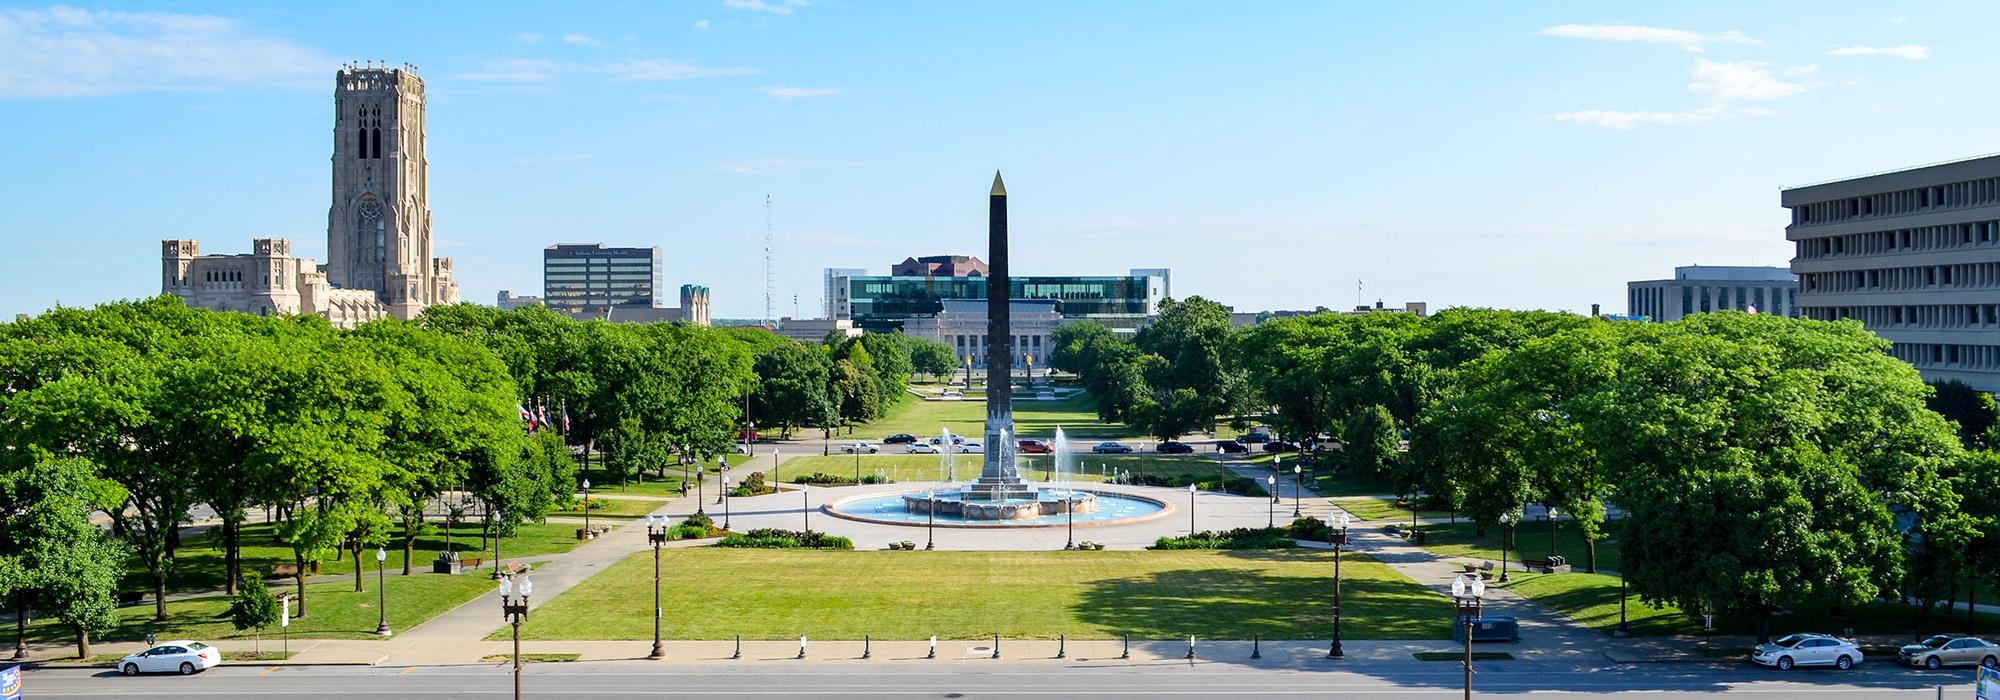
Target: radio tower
770,278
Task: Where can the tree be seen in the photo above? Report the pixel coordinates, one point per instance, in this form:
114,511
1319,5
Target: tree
930,357
65,565
792,387
1073,346
254,608
890,353
1371,447
1972,411
857,391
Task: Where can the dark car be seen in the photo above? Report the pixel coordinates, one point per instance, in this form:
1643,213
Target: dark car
1032,446
1171,447
1107,447
1280,446
899,439
1235,448
1253,437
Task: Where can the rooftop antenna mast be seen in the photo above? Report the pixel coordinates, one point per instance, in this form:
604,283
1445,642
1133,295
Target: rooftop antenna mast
770,277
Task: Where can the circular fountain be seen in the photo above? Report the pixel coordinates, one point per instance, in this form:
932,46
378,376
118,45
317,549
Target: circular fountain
1003,500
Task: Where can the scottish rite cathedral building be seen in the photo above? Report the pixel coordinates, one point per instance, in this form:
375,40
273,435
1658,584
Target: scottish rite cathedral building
378,233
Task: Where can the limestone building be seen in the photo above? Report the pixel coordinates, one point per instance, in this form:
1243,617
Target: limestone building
1700,288
1915,256
380,261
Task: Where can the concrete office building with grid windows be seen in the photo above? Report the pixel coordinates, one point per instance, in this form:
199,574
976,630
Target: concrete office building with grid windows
1700,288
1915,256
589,281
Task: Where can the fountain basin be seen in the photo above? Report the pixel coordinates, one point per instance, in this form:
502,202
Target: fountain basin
1050,509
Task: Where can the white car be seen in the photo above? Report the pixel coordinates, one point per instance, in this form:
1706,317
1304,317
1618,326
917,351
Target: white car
181,656
923,448
1808,650
860,447
970,447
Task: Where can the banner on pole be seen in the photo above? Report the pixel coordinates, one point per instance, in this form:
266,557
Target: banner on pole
10,683
1988,685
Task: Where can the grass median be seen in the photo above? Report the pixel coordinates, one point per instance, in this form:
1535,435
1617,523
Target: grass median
336,612
713,593
1090,468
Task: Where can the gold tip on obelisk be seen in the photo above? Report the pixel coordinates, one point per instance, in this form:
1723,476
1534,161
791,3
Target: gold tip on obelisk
999,188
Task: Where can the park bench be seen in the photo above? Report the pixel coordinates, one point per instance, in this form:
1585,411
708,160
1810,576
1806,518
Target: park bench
284,570
130,598
469,563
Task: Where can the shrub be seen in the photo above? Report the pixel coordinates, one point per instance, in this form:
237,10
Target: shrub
688,531
1311,529
824,479
753,485
1239,538
875,479
767,538
1235,484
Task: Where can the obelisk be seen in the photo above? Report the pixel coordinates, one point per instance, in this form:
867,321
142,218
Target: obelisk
998,478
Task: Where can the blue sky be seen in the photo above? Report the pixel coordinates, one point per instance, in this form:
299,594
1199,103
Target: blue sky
1272,154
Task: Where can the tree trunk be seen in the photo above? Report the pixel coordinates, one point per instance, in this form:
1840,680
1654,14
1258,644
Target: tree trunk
357,570
1763,625
232,554
1590,554
410,540
1923,606
299,578
82,645
159,595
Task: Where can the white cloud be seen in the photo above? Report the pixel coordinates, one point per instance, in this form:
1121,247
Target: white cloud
1909,51
701,25
581,39
759,166
670,69
64,52
1689,40
792,93
512,70
1807,69
1611,119
781,7
1739,80
529,38
1899,19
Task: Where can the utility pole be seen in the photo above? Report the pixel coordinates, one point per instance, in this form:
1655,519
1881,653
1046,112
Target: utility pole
770,277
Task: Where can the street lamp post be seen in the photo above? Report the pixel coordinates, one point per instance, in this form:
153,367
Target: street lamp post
1466,592
725,502
699,477
774,471
1622,629
1298,489
1552,535
1069,508
930,521
1190,510
723,461
656,533
1506,535
1339,539
381,593
1271,509
805,493
515,613
586,507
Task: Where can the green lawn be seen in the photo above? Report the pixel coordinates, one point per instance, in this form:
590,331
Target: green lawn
198,563
604,483
1592,599
1383,510
778,594
336,612
1461,540
1090,467
612,507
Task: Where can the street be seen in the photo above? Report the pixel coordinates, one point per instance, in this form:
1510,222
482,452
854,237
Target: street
784,679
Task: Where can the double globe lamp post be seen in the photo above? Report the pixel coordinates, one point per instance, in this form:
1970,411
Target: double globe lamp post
1467,592
656,534
1339,540
381,592
514,613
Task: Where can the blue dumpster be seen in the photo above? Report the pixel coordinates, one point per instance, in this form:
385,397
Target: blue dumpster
1491,628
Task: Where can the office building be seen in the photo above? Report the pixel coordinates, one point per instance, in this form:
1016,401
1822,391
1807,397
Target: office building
380,262
587,281
509,301
941,266
885,302
1915,256
813,330
1699,288
835,296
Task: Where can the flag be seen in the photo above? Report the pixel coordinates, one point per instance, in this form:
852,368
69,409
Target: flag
525,415
1752,309
544,409
565,413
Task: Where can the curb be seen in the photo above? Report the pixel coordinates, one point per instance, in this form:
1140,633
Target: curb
37,665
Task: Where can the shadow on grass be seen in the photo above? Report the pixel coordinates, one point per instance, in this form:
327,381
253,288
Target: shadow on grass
1239,603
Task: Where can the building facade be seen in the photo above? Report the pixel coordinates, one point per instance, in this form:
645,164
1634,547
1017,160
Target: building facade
509,301
1915,256
380,261
1700,288
589,280
886,302
961,324
694,304
941,266
838,304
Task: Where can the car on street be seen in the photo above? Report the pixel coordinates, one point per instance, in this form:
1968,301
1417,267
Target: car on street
1947,650
970,448
1808,650
180,656
1280,446
1109,448
859,448
922,448
955,439
1231,447
899,439
747,435
1172,447
1032,446
1254,437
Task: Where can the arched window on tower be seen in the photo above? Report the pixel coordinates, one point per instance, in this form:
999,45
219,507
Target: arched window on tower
361,144
377,137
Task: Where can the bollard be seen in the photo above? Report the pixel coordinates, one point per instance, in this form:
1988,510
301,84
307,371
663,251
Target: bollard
802,646
1190,647
739,648
867,646
933,653
1062,646
1256,647
1125,652
996,646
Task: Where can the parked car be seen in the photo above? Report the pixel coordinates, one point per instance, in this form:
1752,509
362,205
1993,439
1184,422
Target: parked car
1033,446
899,439
181,656
970,447
1172,447
1108,447
923,448
955,439
1254,437
747,436
1230,447
1946,650
860,447
1280,446
1808,650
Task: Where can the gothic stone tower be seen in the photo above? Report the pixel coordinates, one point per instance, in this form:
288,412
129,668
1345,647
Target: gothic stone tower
378,231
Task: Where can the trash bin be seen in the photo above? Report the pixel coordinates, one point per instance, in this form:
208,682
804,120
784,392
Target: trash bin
1490,628
1417,537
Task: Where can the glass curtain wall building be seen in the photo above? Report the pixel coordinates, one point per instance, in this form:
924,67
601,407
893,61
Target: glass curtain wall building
882,303
582,280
